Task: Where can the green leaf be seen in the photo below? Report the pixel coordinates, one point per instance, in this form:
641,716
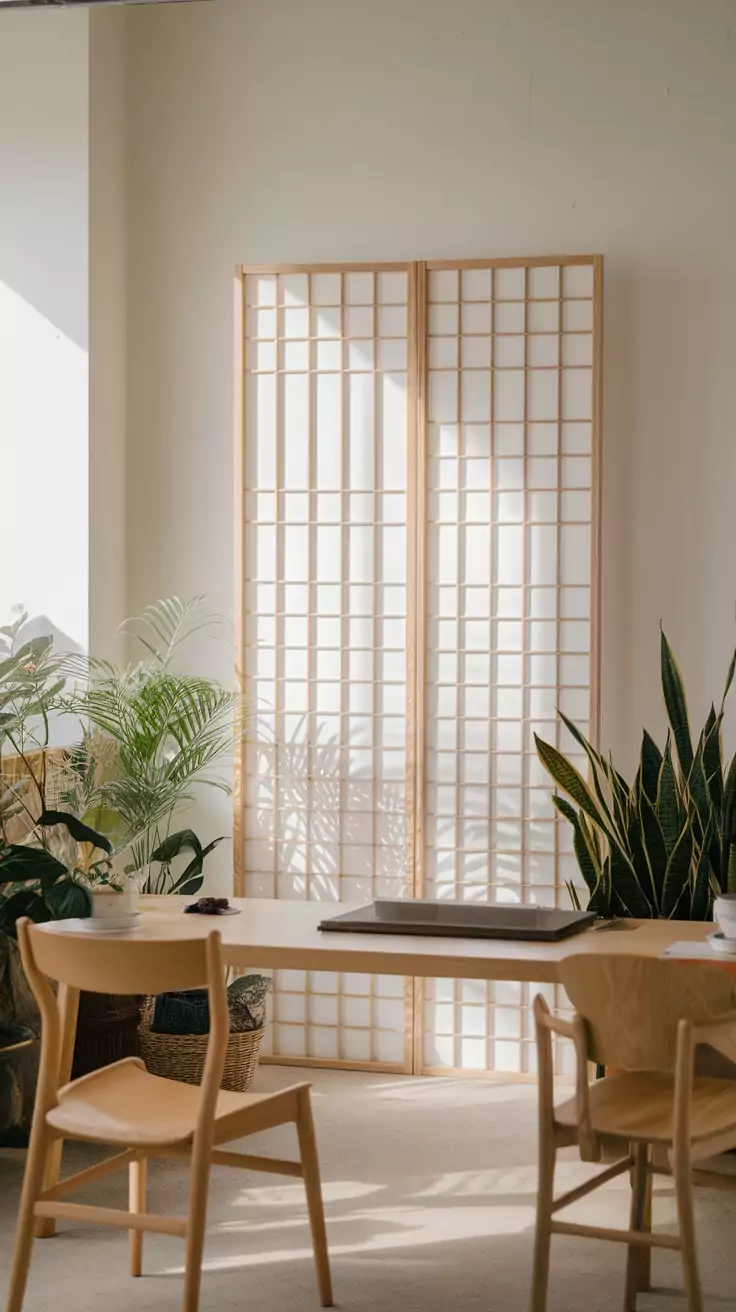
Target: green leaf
626,886
654,847
23,903
182,841
80,832
674,699
731,876
702,901
68,900
586,857
573,895
596,763
651,764
729,681
712,763
19,864
567,778
668,801
677,875
191,880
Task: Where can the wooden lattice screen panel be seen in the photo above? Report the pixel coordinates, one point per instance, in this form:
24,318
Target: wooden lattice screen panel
325,605
511,479
419,592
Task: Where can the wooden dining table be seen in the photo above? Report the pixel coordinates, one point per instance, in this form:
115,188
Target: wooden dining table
285,935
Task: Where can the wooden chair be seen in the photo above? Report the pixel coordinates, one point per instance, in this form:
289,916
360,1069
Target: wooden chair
644,1019
143,1115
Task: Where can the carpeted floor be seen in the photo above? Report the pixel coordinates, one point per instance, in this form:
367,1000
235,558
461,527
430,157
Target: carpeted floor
429,1187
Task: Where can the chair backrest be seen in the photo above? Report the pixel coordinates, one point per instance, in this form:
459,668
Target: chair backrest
632,1005
105,965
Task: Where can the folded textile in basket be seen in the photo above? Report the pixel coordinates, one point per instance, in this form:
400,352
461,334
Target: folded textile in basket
189,1012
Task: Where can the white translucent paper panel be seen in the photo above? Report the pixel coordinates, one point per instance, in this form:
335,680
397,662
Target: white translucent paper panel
325,562
509,565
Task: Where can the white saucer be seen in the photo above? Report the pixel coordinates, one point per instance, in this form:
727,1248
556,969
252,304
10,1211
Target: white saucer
117,926
719,943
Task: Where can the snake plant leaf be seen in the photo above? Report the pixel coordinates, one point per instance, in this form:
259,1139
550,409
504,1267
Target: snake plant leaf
569,780
668,800
677,874
651,764
674,698
729,681
629,891
728,815
702,900
596,763
731,873
712,761
697,789
586,856
654,847
67,900
619,794
572,893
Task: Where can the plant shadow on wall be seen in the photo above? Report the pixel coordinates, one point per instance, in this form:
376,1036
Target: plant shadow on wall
324,830
664,845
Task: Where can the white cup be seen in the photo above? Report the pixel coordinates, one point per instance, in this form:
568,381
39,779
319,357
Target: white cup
724,914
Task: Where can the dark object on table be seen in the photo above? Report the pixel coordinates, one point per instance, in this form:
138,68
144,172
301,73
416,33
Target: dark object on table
461,920
208,906
189,1012
19,1053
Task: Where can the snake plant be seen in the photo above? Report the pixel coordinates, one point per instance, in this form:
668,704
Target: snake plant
664,845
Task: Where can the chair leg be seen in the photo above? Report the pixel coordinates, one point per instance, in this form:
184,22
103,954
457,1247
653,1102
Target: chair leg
137,1173
635,1275
313,1187
38,1153
682,1173
543,1232
198,1187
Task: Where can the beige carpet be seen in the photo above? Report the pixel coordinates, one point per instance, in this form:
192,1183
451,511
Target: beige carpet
429,1187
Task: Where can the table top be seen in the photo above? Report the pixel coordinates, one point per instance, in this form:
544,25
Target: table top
285,935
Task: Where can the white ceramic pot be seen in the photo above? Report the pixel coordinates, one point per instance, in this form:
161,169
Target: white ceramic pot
724,914
109,906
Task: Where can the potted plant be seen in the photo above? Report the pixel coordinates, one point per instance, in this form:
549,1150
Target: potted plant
155,734
665,844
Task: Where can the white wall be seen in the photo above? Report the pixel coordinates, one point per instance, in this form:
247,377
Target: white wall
360,129
44,188
107,331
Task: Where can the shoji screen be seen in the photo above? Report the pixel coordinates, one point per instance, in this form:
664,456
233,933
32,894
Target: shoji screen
325,605
418,586
510,608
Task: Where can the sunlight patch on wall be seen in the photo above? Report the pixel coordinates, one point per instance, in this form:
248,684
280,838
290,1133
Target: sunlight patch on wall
43,471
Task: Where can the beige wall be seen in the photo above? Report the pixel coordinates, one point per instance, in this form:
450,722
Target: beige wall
107,331
44,438
339,129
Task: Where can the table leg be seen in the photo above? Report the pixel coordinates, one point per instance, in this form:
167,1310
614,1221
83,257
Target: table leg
68,1001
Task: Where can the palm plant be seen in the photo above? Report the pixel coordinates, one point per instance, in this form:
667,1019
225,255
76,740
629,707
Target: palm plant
664,845
169,732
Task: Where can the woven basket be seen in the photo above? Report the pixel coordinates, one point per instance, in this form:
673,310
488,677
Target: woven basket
181,1056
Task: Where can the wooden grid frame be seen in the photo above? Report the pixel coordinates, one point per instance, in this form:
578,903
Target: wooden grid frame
508,1005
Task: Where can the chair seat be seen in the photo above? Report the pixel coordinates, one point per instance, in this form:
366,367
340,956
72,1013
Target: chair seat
639,1107
123,1105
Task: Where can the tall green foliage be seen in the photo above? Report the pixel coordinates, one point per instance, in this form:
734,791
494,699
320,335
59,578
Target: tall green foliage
664,845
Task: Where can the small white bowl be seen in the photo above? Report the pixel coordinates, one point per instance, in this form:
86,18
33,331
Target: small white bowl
724,914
